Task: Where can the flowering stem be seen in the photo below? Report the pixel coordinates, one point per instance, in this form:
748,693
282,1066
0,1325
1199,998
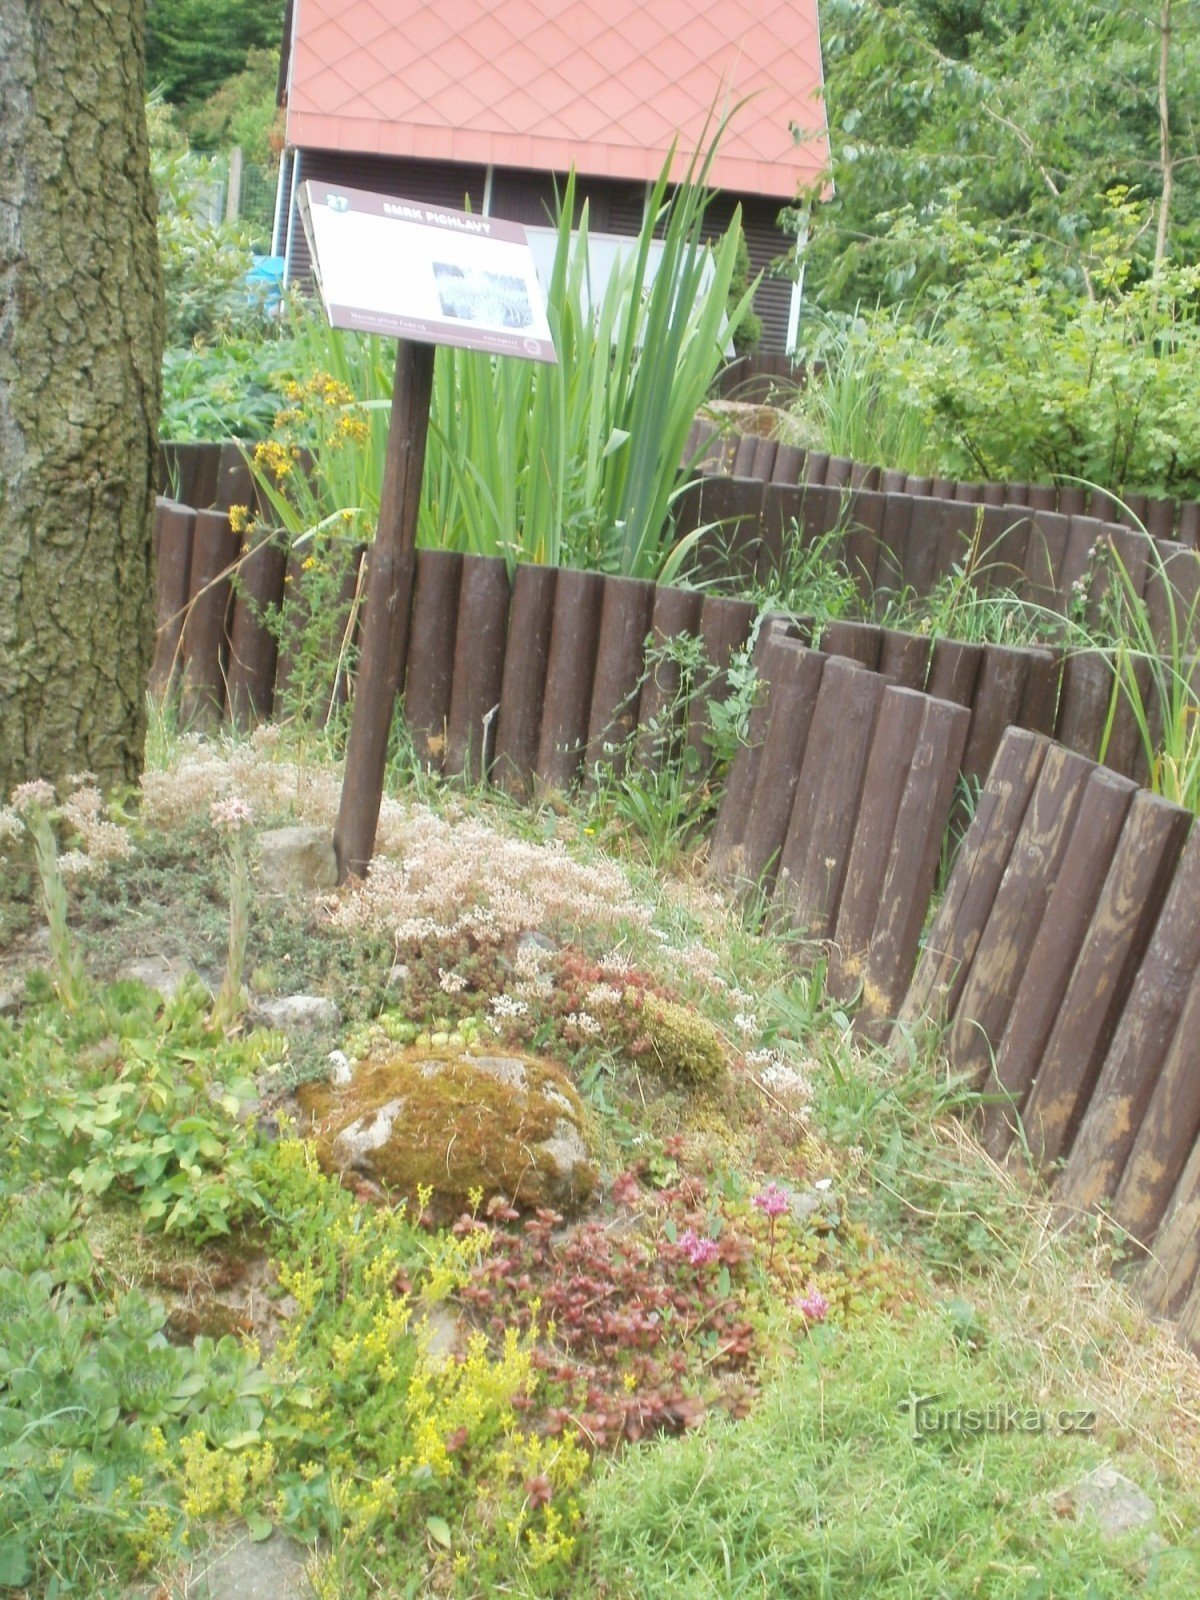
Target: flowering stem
231,998
69,977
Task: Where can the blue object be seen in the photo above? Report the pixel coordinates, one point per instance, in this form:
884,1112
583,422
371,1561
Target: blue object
264,281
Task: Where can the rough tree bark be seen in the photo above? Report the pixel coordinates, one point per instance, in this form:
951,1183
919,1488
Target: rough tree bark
81,332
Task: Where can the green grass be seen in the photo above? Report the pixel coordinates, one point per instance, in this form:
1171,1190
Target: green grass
824,1492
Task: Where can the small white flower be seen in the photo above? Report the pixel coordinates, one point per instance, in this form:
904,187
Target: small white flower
451,982
584,1022
11,826
746,1023
603,994
503,1005
73,862
35,795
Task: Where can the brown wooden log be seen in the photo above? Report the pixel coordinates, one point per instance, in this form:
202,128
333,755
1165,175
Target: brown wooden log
904,658
574,635
1087,696
788,465
953,671
812,864
1170,1274
1169,1130
782,506
1052,952
795,675
980,865
859,641
625,619
429,679
892,554
1045,558
1038,710
725,626
986,999
523,688
911,866
660,712
731,509
480,633
861,524
173,524
253,644
215,548
897,734
390,574
999,690
1130,899
726,856
1140,1046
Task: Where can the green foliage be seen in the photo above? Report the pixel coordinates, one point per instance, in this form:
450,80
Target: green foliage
852,405
1019,117
1010,373
121,1104
243,111
747,334
226,390
194,46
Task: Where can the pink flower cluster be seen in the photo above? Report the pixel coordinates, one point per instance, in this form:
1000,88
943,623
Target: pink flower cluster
231,813
772,1202
814,1305
700,1252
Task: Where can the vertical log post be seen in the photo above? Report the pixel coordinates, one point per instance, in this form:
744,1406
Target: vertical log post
389,600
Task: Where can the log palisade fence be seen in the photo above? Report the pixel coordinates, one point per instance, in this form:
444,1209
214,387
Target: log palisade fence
1064,955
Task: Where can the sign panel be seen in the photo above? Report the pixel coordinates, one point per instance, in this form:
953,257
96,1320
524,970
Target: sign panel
422,272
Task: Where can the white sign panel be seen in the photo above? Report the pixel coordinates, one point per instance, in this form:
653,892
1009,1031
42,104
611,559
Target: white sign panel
422,272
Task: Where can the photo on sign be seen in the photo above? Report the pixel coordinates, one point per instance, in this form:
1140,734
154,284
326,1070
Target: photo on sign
478,296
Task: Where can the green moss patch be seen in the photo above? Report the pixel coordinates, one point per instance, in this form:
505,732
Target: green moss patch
459,1126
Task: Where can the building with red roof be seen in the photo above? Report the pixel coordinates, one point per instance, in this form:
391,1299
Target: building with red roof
487,103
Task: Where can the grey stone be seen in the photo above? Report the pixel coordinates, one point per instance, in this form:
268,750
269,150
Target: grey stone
297,859
297,1013
534,941
10,1002
272,1570
1119,1504
340,1070
166,974
399,976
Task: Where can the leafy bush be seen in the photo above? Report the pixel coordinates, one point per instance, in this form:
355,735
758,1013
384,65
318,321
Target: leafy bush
1015,374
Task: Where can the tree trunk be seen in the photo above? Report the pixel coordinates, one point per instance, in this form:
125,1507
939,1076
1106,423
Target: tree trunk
81,332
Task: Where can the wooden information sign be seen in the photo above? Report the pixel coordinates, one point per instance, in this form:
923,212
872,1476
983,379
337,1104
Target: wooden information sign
424,275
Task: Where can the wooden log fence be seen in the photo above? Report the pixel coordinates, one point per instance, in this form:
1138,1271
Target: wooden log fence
1064,957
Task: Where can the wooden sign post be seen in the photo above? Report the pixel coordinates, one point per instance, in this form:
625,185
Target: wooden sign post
391,565
425,275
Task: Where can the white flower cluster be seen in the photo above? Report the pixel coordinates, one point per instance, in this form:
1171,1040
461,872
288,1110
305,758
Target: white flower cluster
778,1075
451,982
102,840
442,878
584,1022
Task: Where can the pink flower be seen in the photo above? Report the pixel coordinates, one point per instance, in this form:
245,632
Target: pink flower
700,1252
772,1202
814,1305
231,813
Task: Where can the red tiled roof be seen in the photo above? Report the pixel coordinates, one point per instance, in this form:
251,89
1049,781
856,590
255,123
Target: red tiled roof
544,84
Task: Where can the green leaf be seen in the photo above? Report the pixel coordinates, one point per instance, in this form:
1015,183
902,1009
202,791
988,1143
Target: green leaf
14,1562
259,1527
439,1531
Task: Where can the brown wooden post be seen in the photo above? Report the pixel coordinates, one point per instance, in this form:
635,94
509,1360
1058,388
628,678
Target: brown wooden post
389,600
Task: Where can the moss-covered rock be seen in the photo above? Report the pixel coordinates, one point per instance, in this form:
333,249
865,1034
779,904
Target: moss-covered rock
684,1046
454,1123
